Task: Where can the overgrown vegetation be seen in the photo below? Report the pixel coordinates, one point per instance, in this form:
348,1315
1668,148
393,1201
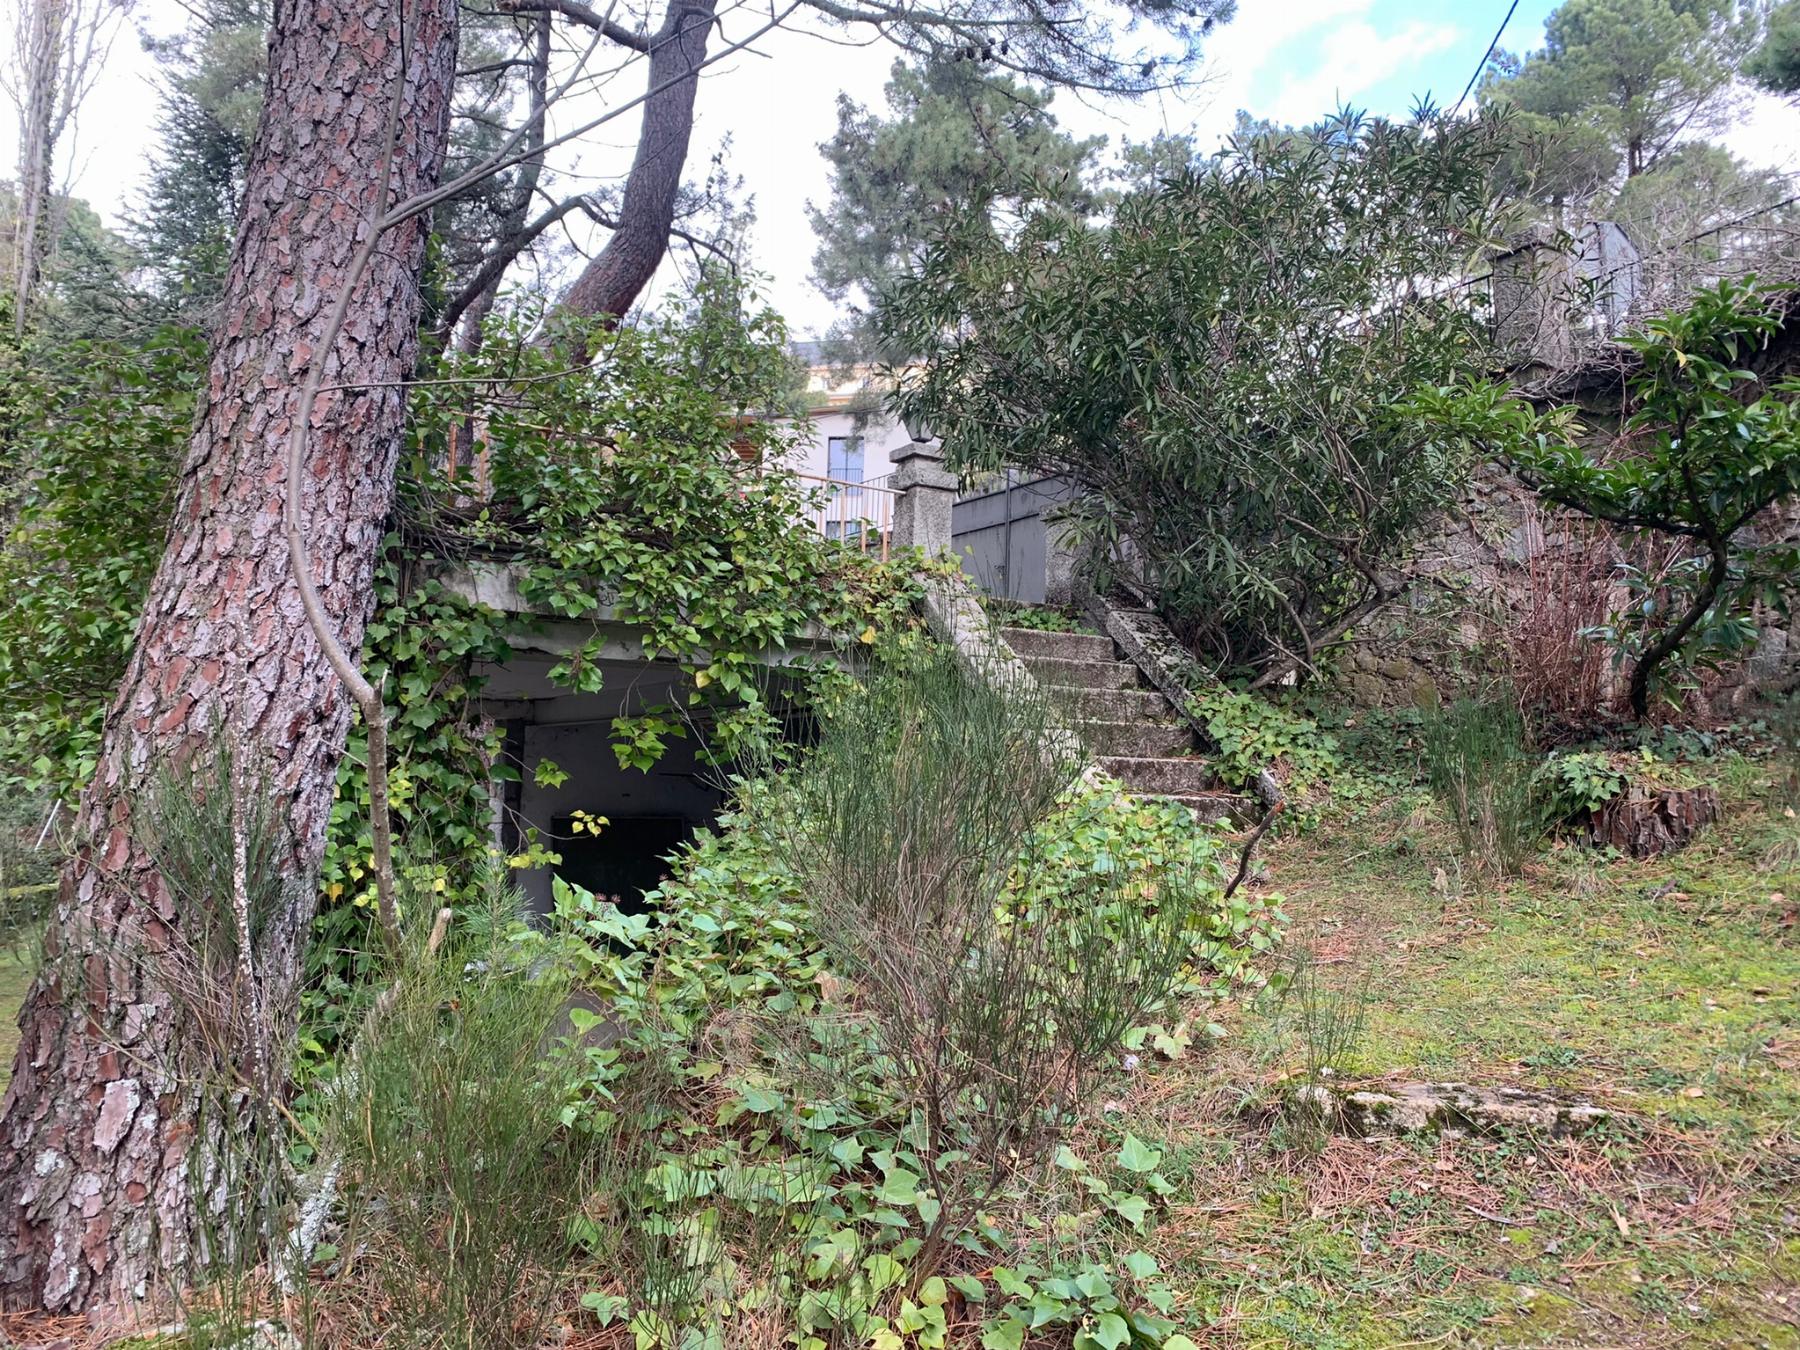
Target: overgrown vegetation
1711,445
1207,364
1485,777
747,1123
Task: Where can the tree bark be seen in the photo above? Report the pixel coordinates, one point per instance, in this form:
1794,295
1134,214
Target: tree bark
1670,643
613,280
108,1176
39,61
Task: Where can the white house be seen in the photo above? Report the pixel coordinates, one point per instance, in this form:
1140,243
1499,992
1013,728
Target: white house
844,450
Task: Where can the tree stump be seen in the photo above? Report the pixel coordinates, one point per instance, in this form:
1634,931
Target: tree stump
1648,820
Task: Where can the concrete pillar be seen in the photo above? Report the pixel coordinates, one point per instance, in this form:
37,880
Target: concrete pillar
927,492
1533,282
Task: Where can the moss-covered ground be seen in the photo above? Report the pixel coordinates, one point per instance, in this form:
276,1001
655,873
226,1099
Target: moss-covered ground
1665,990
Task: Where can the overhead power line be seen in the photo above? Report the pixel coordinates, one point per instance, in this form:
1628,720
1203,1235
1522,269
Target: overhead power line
1481,65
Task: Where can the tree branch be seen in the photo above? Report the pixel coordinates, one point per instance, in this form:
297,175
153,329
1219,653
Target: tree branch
587,17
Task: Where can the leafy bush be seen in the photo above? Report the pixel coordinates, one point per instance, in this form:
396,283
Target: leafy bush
103,431
1203,363
992,993
1712,446
754,1085
1578,784
1251,734
1485,777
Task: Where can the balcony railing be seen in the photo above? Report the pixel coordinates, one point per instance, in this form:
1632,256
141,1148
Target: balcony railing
860,515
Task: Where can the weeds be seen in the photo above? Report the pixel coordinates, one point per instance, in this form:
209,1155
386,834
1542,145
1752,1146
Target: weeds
1330,1023
461,1180
29,851
1485,778
992,993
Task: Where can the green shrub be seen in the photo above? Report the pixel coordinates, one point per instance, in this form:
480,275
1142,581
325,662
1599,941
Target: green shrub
774,1134
1578,784
461,1182
1485,777
1251,734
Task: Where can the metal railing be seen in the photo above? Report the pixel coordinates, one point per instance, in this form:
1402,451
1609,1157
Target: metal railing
859,515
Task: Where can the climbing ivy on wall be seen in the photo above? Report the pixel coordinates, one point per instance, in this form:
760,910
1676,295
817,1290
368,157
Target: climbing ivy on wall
645,487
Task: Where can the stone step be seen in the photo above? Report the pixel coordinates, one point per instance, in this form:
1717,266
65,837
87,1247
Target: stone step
1084,674
1215,808
1111,705
1062,646
1137,740
1188,777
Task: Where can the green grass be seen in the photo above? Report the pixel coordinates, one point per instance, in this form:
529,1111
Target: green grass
1666,990
15,976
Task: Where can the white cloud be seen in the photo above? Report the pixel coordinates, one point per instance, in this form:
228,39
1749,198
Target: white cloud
1354,58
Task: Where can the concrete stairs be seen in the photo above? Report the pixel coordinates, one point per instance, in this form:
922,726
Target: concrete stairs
1133,732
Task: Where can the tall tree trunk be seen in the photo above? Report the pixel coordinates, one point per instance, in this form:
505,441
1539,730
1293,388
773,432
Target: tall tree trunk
100,1143
616,277
38,63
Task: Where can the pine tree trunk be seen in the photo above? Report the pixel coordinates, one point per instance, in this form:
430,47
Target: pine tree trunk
100,1141
612,282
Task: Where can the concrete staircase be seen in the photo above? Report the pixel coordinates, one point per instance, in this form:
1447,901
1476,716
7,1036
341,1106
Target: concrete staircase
1133,732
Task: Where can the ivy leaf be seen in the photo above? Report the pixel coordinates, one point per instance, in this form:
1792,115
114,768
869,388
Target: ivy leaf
884,1272
1137,1156
1109,1331
1134,1209
900,1187
759,1101
1142,1265
1003,1335
970,1287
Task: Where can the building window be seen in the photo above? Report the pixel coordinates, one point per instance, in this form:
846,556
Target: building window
844,458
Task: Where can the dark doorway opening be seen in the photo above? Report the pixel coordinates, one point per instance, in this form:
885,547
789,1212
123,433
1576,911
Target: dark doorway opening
626,859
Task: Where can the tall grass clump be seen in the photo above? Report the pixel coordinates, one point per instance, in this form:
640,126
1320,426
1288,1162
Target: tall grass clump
1484,773
992,979
1784,727
460,1181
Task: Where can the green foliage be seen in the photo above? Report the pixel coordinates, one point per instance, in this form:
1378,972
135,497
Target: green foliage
1579,783
1202,364
420,649
1628,79
461,1181
102,429
644,490
1250,734
1711,447
1695,188
992,991
1775,64
956,137
753,1087
1485,778
1038,618
212,94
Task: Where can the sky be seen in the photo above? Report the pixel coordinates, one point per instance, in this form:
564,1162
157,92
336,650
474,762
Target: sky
1285,60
